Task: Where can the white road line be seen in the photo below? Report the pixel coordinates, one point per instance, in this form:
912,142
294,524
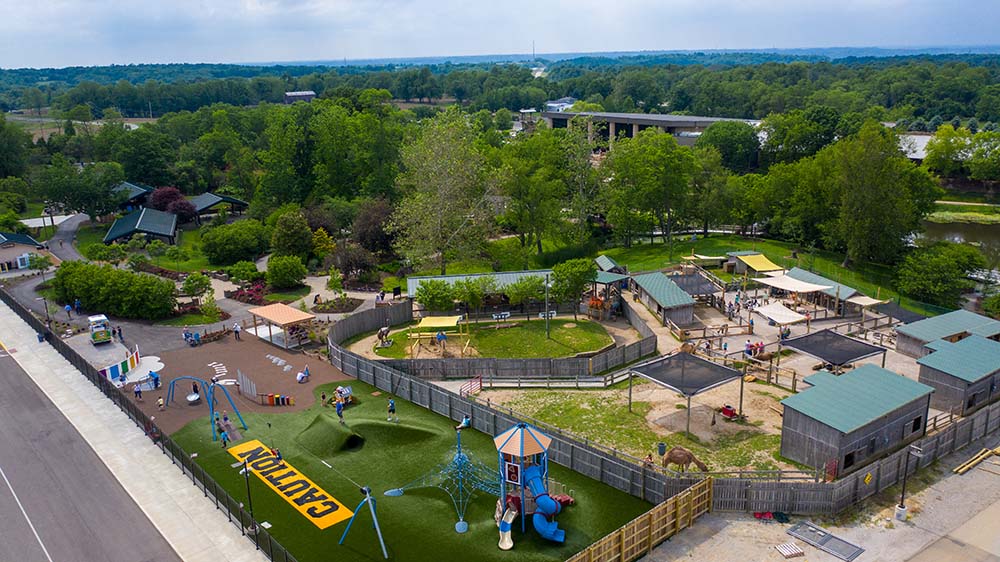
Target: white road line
25,513
324,462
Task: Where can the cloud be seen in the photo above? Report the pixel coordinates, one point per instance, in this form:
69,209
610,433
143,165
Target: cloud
74,32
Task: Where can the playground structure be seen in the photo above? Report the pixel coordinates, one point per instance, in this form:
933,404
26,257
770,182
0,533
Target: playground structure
459,478
445,327
522,456
211,400
368,499
100,329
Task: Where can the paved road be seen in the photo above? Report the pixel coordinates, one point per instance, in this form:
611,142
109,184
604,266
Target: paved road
58,502
61,243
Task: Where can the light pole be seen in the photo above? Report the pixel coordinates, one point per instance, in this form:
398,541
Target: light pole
901,508
547,307
246,476
45,302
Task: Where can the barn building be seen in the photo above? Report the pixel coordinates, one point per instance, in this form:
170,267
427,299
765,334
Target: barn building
965,374
913,338
845,422
664,298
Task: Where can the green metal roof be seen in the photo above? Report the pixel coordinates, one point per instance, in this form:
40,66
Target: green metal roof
146,221
503,278
132,190
845,292
663,290
17,238
971,359
950,324
207,200
606,277
604,263
853,400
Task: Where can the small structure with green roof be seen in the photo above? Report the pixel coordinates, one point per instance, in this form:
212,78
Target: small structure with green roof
204,203
912,339
664,298
965,374
605,263
144,221
134,195
850,420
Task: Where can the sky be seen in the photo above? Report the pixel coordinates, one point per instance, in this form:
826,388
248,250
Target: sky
58,33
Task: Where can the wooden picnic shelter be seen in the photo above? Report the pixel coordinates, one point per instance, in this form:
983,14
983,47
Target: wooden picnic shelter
281,315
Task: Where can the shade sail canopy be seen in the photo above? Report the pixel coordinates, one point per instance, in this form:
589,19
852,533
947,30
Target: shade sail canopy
862,300
281,314
790,284
522,440
893,310
686,374
759,262
695,284
779,314
439,322
833,348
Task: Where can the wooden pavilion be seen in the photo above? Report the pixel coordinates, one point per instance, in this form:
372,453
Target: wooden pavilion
288,320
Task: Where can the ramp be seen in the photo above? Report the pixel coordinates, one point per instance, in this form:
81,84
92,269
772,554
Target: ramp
823,540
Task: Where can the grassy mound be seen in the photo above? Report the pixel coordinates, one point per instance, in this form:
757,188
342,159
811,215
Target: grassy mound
324,437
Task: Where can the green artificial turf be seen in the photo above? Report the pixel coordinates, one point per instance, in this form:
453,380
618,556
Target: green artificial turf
417,526
526,340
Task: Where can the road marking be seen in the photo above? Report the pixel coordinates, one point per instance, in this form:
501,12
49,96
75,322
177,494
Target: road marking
25,514
324,462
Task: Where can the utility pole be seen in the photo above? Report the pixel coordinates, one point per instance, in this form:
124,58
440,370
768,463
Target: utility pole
547,307
253,521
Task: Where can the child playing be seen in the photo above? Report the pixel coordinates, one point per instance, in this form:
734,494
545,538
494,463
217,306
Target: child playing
392,412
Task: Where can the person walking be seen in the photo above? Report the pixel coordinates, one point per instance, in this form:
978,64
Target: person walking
159,404
77,306
392,412
236,330
69,310
340,412
138,392
225,438
121,337
194,387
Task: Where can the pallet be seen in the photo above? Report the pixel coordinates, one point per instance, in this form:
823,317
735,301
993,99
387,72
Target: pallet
789,550
973,461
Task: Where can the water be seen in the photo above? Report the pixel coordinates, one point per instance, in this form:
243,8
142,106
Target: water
982,234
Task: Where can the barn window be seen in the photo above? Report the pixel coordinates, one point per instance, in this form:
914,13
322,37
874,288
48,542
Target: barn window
915,427
849,460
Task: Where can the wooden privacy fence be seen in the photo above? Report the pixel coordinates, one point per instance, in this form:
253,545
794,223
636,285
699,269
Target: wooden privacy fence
638,537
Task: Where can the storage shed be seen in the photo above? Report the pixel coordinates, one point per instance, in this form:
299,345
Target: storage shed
664,298
845,422
912,338
964,374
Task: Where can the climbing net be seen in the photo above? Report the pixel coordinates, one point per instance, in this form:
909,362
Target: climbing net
459,478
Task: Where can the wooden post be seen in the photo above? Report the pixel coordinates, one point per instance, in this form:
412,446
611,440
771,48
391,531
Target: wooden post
741,391
630,392
649,532
688,418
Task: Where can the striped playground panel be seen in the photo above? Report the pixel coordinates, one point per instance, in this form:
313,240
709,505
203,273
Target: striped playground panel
115,371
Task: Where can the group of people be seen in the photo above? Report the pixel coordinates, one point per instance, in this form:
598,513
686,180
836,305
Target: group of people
220,427
740,302
753,349
191,338
340,398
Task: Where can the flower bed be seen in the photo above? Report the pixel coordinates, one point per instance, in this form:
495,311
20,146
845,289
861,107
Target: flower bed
251,294
347,304
159,271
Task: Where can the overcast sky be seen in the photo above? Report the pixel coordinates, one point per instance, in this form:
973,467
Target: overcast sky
56,33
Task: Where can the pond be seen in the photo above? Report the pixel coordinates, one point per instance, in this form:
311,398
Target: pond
985,234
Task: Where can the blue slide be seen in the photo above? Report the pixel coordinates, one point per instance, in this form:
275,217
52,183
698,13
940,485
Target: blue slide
545,507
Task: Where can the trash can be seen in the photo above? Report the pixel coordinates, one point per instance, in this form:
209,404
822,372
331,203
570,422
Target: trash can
661,448
270,400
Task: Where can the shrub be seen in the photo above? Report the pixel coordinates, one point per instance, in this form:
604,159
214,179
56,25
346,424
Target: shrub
251,294
243,240
114,291
436,295
163,197
244,272
184,210
292,236
285,272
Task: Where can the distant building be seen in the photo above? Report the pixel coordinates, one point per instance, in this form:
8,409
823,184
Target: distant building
206,202
912,339
560,105
136,195
305,95
965,374
664,298
14,250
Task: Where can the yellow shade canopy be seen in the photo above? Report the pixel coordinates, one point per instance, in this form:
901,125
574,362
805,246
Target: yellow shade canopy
439,322
759,262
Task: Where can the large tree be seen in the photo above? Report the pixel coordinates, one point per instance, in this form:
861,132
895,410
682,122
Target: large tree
570,278
445,213
534,186
14,143
736,141
89,191
146,155
709,202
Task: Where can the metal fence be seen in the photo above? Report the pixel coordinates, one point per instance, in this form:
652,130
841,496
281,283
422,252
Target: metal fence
199,478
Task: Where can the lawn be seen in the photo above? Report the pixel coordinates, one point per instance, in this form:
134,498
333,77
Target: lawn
191,319
602,416
190,242
289,295
369,451
90,234
523,341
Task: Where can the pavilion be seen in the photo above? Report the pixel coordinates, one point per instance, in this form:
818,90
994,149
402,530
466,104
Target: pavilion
285,317
833,348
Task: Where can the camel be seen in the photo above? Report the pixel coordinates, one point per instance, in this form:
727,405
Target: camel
682,458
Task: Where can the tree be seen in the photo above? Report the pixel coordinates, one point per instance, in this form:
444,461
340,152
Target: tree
984,156
883,196
736,141
794,135
370,227
534,185
285,272
163,197
184,209
948,150
88,192
14,143
525,290
243,240
473,291
436,295
145,155
136,262
991,306
443,214
353,261
335,283
938,274
39,263
570,278
196,285
244,271
708,197
176,254
156,248
322,244
292,236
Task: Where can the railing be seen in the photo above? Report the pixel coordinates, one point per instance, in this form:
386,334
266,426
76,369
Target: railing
199,478
472,386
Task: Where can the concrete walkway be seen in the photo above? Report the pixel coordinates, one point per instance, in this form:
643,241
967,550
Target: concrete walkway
189,522
665,341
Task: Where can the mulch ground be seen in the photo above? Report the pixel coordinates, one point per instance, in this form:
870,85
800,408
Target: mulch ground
247,355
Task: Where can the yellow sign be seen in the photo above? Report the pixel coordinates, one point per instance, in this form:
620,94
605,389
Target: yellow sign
305,497
868,478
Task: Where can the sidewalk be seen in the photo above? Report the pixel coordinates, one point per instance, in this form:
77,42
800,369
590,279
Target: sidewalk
192,525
